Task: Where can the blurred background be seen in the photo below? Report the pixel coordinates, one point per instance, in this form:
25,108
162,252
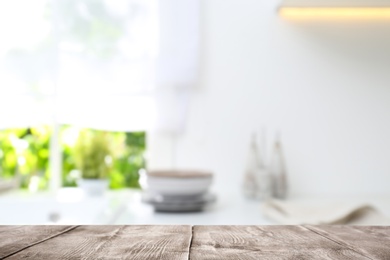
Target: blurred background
185,84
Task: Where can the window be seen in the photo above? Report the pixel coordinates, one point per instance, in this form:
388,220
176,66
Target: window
126,160
84,63
24,154
113,65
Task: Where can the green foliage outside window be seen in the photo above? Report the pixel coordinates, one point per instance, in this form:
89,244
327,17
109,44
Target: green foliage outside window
129,161
24,153
92,153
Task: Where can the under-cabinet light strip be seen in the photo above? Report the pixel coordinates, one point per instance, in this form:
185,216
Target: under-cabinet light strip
335,12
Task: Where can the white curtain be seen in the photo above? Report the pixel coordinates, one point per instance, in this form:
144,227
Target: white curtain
121,65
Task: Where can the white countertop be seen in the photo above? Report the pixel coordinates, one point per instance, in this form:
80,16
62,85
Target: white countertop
70,206
229,209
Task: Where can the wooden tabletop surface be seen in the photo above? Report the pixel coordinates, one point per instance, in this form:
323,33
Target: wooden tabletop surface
194,242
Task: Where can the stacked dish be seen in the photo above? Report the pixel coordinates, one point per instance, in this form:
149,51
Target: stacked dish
178,191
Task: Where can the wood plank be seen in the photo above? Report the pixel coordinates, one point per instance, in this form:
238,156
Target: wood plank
16,238
114,242
371,241
265,242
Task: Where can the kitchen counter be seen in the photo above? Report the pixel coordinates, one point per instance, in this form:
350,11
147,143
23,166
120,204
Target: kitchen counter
124,207
194,242
229,209
69,206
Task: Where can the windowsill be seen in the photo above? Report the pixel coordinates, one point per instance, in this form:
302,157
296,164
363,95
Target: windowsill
67,206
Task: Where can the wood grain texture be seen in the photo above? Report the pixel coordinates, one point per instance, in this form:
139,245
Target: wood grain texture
16,238
265,242
198,242
371,241
114,242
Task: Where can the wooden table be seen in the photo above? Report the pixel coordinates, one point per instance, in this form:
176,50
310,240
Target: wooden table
194,242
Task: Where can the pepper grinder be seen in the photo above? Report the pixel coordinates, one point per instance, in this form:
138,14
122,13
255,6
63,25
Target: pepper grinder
278,171
251,169
257,180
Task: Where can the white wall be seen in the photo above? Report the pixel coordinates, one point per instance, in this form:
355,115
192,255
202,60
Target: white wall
324,85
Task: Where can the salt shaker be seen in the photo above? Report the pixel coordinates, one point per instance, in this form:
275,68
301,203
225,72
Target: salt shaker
264,188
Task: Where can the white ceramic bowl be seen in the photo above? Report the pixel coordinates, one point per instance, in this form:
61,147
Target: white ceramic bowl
178,183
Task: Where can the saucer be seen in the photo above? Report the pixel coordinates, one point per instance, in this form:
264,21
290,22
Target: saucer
179,203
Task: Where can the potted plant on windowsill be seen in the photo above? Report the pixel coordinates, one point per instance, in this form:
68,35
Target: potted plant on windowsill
93,160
